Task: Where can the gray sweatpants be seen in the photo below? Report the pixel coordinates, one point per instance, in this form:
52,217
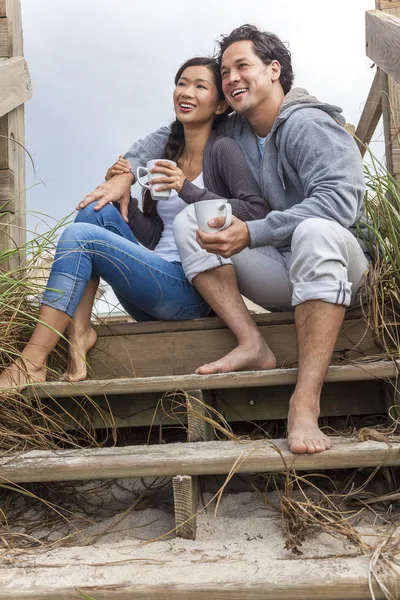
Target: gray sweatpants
325,263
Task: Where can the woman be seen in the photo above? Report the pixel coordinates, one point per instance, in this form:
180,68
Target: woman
149,284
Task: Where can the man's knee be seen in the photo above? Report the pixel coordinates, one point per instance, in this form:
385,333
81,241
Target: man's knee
315,234
185,227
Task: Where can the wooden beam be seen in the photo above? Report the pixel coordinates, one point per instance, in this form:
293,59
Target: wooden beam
383,41
7,191
390,100
370,115
198,429
15,84
388,4
186,494
362,371
202,458
183,577
6,38
209,323
12,155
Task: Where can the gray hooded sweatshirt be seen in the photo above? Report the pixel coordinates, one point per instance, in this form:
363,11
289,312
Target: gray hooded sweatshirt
311,167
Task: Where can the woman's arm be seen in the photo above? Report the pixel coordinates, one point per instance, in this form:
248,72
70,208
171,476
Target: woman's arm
244,192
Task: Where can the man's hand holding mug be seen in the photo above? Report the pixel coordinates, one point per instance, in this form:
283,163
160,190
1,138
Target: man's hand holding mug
225,242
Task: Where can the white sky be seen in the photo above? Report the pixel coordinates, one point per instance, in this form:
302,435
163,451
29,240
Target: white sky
102,73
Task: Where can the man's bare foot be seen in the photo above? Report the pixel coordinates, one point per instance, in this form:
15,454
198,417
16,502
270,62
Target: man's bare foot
20,374
256,355
79,346
304,435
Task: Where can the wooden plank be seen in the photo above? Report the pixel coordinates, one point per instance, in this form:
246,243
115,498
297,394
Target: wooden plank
383,41
12,156
370,115
276,318
388,4
198,429
361,371
251,404
390,100
181,352
183,578
3,4
186,494
15,84
264,404
6,40
202,458
7,191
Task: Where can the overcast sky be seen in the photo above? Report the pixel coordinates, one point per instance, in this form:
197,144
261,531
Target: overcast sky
102,74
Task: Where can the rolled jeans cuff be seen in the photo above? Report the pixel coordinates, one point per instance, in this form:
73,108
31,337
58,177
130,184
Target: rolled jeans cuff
202,261
334,292
63,292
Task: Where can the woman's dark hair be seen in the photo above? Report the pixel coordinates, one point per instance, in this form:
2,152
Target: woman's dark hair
176,141
267,46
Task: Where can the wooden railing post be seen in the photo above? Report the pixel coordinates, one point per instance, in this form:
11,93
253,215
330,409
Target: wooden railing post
390,100
12,156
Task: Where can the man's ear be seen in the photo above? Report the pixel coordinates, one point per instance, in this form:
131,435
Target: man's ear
222,107
275,70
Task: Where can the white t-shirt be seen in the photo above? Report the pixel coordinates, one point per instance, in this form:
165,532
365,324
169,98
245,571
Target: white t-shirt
261,144
167,210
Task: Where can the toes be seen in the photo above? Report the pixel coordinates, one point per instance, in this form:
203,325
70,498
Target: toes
310,446
319,445
297,446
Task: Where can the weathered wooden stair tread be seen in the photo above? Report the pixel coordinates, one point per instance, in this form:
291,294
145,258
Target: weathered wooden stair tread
360,371
201,458
291,579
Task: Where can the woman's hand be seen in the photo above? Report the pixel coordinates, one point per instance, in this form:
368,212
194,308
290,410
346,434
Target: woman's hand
172,178
118,168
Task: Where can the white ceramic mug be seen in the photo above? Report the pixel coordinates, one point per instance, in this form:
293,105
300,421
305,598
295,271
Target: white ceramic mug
143,180
211,209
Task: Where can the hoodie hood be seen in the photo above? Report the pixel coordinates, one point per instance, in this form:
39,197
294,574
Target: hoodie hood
299,98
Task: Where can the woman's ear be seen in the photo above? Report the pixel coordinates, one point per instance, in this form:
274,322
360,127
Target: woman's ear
222,107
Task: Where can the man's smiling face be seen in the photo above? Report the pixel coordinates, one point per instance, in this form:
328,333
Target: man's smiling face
246,80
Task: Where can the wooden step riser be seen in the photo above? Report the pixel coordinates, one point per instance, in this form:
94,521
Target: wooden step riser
201,458
251,404
181,352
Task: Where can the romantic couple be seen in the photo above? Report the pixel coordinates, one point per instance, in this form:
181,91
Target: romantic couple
294,179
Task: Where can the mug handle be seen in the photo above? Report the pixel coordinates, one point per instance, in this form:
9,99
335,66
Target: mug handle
228,219
145,185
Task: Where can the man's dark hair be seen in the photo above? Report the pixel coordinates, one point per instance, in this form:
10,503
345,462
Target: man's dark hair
267,46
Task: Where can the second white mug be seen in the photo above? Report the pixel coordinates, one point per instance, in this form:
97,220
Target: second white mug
211,209
143,179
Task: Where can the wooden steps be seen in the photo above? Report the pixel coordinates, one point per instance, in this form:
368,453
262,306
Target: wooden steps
357,371
201,458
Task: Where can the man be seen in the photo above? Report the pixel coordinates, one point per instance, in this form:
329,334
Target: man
305,252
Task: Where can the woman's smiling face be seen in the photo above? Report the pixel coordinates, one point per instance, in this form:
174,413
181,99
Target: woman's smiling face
196,96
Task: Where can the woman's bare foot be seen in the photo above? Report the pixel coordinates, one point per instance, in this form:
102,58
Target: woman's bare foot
20,374
255,355
79,345
304,435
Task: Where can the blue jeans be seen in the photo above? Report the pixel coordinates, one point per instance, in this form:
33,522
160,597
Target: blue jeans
100,244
